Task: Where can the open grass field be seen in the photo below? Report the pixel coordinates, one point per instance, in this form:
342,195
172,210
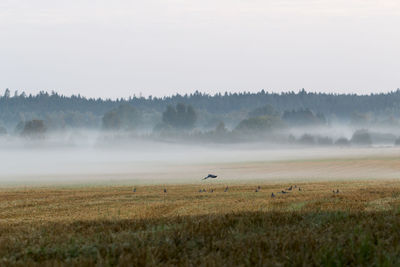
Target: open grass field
107,226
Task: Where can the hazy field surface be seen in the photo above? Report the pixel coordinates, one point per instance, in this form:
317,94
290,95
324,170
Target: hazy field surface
108,226
158,163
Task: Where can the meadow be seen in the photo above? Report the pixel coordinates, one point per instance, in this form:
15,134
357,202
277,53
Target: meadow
112,225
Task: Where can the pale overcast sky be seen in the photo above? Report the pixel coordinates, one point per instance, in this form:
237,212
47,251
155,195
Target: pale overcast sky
159,47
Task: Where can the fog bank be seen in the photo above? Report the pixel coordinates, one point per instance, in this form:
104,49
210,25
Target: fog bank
148,162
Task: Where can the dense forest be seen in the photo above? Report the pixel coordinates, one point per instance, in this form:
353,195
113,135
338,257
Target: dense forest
251,112
80,111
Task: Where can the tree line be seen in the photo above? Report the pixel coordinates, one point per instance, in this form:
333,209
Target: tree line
59,111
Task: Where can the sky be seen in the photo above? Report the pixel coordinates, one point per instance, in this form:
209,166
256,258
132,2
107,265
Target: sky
122,48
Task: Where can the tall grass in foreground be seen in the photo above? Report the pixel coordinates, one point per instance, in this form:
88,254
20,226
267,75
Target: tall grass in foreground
358,226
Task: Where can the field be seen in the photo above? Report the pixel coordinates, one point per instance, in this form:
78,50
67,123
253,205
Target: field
107,226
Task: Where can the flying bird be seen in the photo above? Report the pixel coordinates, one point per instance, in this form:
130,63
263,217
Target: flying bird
210,176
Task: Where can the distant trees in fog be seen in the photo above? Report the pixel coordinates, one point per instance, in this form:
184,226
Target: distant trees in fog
180,116
261,120
34,129
123,117
361,137
303,117
342,141
3,131
324,140
308,139
267,110
221,129
266,118
260,124
360,119
60,112
397,141
228,116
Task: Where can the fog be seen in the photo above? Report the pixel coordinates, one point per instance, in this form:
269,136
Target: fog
93,158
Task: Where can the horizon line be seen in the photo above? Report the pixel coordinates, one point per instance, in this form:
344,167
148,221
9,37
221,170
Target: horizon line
17,93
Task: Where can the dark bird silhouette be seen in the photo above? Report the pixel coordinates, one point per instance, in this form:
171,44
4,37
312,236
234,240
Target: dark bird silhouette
200,191
134,190
333,191
272,195
290,188
284,192
259,187
299,189
337,191
210,176
256,190
212,190
226,189
165,190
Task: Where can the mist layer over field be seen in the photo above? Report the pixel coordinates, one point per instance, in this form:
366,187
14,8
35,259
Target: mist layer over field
92,161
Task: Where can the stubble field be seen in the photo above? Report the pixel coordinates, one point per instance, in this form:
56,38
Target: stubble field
107,226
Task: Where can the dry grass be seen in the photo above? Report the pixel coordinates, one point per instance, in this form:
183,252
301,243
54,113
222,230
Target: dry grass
108,226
